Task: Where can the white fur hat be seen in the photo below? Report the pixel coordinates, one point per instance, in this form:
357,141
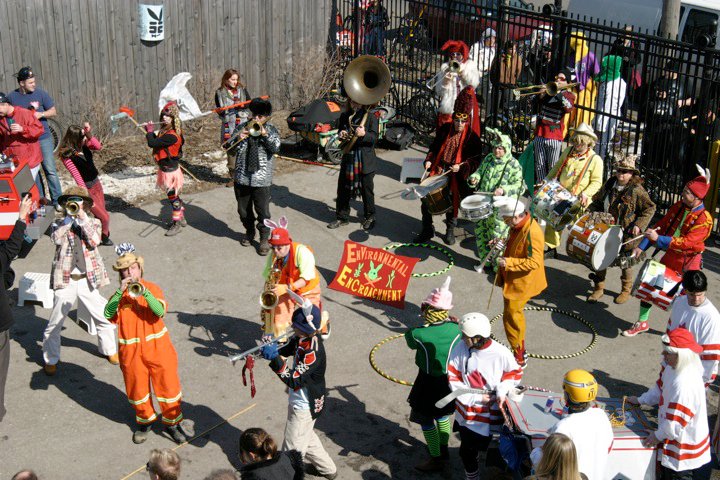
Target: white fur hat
510,206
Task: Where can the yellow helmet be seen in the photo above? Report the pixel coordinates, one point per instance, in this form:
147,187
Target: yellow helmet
580,386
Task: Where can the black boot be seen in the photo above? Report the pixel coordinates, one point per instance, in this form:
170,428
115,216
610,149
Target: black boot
450,233
427,232
264,247
249,236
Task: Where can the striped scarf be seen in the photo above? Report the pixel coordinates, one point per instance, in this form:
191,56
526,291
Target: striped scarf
352,172
434,315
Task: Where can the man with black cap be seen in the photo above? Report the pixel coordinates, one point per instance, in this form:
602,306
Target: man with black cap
259,142
29,96
305,377
19,133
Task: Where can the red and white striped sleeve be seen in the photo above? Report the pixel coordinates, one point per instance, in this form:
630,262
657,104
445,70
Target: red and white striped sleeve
676,418
74,172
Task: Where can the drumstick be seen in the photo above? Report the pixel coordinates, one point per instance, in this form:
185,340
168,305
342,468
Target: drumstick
637,238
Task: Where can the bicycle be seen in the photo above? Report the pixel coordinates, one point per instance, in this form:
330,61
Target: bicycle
516,121
421,108
412,39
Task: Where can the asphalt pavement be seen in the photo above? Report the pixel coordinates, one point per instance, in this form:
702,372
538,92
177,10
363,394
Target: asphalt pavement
79,424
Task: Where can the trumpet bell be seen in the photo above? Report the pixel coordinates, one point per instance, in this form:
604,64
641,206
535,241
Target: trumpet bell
135,289
72,208
367,80
255,129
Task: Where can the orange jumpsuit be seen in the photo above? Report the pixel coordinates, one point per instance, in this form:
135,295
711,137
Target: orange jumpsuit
147,354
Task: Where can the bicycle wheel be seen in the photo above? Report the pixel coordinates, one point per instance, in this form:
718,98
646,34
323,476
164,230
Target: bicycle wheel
57,129
421,113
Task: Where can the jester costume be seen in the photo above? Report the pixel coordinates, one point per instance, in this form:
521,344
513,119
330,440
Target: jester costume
504,172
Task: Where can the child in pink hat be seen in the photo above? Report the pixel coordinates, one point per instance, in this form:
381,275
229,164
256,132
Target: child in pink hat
433,343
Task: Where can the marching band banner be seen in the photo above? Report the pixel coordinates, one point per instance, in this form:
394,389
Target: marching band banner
373,273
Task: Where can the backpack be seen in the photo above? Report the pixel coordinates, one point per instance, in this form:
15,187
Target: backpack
314,116
399,135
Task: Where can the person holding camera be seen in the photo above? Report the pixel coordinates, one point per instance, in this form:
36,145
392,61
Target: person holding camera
8,250
146,353
78,272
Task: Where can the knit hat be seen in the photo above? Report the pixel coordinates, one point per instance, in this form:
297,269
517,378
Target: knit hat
585,129
464,102
127,257
280,234
700,185
681,338
259,106
307,323
456,46
626,161
441,298
510,206
569,73
76,191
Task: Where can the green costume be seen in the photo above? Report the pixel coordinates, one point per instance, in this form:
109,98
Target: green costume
494,173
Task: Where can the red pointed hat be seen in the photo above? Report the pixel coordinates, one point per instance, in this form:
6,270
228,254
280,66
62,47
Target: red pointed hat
456,46
464,101
681,338
700,185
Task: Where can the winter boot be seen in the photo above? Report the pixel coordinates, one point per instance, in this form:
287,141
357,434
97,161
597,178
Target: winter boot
627,284
425,235
141,434
264,247
597,292
450,233
173,230
249,236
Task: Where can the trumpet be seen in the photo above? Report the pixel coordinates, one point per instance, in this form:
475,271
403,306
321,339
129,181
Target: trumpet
247,353
453,67
551,88
254,129
135,289
72,208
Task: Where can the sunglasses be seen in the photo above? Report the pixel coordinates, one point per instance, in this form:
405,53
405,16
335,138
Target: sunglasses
623,170
461,116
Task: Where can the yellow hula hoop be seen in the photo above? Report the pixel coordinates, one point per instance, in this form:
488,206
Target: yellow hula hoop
375,366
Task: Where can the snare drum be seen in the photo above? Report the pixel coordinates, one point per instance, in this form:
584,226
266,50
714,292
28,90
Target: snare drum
556,205
476,207
595,244
437,200
657,284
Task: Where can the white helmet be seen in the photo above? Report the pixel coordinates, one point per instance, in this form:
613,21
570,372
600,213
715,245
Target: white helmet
475,324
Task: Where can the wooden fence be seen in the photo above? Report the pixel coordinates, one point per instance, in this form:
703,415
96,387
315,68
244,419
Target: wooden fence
88,54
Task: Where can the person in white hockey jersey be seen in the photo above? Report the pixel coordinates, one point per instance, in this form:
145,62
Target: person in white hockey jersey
587,426
683,433
478,362
698,315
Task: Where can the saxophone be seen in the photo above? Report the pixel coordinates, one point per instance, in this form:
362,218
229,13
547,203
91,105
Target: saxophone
269,299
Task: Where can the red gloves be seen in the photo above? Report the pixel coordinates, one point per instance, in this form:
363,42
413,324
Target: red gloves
150,127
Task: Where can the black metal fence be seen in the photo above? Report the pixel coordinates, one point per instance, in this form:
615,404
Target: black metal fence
661,105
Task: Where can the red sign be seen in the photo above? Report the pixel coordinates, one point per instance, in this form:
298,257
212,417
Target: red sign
374,273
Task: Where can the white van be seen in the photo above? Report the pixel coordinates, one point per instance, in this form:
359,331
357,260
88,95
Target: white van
697,17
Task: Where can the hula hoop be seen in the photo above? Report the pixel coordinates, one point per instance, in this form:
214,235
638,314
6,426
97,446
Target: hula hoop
444,251
562,312
377,369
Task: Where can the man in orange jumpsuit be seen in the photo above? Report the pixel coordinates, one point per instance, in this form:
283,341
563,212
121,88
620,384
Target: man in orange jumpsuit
293,265
146,352
522,269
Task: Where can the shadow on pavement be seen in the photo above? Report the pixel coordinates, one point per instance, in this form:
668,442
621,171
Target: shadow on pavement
212,333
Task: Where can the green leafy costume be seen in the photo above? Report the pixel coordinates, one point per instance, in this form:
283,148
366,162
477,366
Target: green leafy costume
494,173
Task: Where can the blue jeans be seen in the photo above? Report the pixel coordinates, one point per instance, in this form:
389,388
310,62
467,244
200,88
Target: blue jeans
48,165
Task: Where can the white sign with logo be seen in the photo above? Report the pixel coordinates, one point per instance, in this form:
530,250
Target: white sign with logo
152,23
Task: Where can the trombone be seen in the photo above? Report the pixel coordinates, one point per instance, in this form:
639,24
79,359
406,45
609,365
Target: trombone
551,88
254,129
252,351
